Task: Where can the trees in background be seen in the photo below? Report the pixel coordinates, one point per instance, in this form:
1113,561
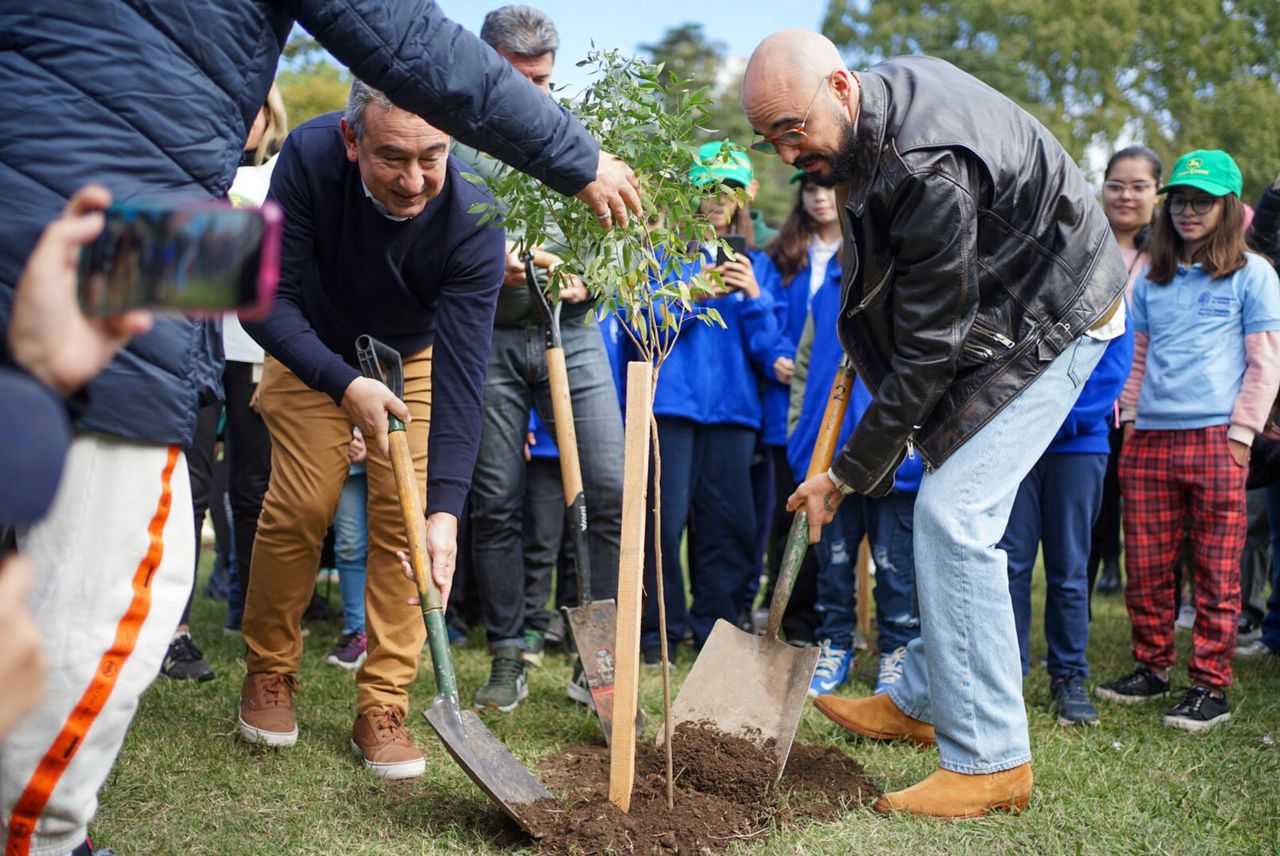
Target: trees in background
1176,76
310,83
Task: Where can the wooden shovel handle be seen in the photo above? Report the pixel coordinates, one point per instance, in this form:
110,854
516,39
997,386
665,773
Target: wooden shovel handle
798,538
415,523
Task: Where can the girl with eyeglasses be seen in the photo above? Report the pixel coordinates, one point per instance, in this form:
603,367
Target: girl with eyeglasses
1206,369
1129,200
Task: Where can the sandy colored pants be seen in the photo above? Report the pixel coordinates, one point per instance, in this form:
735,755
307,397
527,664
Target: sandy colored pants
309,439
113,562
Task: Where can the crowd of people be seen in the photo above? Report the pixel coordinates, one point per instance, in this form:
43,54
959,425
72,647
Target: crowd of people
1038,371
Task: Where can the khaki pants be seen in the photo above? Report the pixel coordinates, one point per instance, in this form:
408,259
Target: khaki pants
309,439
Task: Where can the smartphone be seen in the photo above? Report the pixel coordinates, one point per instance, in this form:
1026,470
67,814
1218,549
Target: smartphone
200,258
736,242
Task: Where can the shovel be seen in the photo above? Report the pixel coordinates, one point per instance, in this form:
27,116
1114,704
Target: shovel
472,745
754,687
593,622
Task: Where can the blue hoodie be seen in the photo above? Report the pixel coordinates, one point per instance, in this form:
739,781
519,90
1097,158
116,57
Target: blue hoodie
824,361
713,375
1085,430
793,297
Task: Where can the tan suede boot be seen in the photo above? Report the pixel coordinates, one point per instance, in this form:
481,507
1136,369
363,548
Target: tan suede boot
954,796
876,717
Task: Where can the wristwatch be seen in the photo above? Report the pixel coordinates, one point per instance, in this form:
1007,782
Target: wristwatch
841,485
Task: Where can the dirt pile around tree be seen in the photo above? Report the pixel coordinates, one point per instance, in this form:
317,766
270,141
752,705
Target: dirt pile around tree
720,795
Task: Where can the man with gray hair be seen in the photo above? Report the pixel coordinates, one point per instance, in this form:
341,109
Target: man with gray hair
378,239
514,596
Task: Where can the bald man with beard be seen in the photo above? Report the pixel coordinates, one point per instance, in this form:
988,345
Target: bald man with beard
980,287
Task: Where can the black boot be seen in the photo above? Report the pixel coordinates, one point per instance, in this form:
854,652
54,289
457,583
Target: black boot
1109,581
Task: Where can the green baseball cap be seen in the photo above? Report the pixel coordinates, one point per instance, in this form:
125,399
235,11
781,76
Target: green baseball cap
710,166
1210,170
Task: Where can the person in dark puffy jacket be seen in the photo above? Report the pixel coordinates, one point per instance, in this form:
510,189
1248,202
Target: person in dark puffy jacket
114,563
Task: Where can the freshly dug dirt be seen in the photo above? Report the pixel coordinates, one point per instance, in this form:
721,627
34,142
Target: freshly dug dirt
720,796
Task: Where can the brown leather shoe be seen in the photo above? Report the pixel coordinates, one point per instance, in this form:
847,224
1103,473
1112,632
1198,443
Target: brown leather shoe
876,717
266,709
380,741
955,796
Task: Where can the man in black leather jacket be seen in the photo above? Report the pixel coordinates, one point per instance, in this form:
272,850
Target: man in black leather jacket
981,282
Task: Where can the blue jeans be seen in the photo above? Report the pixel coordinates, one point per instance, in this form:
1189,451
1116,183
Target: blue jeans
1057,504
1271,624
963,673
705,476
515,380
351,547
888,524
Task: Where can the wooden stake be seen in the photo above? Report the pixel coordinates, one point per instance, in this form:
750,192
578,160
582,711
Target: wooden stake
864,590
635,489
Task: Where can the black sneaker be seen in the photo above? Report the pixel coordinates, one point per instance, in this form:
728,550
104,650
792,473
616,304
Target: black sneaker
1109,579
1072,702
1139,686
652,656
185,662
1248,629
1198,710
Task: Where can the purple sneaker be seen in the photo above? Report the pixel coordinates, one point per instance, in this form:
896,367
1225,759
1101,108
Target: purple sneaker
350,651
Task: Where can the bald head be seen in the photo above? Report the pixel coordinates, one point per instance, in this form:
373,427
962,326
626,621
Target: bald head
789,58
798,94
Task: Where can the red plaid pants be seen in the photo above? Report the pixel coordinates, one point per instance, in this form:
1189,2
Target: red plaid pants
1164,476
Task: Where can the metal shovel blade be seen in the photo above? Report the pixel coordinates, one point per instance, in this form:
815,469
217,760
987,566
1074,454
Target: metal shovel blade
748,686
594,627
485,760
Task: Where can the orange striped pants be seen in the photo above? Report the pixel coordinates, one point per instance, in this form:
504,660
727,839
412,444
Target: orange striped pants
113,560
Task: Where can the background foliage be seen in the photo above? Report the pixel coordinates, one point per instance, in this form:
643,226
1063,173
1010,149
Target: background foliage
1176,76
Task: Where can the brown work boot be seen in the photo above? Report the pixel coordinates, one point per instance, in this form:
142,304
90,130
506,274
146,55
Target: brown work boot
876,717
266,709
387,750
955,796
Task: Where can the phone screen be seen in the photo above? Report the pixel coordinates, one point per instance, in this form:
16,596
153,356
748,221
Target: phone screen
194,259
736,242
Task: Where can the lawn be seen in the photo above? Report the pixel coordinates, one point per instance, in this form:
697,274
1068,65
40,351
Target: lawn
185,784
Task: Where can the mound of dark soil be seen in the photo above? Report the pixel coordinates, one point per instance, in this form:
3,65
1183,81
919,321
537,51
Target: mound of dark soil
721,795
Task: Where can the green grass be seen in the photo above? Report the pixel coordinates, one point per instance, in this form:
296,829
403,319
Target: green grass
184,784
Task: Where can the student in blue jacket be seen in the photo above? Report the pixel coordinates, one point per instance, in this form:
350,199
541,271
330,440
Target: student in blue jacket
709,412
805,255
1056,506
886,521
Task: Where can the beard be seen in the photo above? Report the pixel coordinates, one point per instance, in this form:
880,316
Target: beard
838,166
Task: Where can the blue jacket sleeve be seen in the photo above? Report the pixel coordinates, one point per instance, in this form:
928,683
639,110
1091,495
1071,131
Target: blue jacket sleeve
286,333
464,325
429,65
1101,390
771,281
760,329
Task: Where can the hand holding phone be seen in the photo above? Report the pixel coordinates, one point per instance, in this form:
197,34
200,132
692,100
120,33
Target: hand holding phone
201,258
48,334
737,243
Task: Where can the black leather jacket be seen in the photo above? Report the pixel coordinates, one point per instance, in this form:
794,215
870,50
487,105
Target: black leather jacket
974,254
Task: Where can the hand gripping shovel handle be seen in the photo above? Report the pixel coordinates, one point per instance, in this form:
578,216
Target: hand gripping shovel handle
798,537
566,435
373,356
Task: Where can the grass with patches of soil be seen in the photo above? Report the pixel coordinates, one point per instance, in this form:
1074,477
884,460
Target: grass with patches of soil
185,784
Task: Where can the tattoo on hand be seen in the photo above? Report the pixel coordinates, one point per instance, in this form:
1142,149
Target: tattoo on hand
830,500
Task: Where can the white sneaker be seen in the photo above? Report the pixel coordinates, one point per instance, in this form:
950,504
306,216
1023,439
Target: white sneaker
1256,650
1186,617
890,671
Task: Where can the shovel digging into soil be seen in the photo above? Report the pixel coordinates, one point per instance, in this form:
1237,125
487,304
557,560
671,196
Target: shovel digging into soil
472,745
754,687
593,622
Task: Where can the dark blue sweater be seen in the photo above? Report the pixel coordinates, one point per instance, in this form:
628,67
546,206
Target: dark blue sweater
345,269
